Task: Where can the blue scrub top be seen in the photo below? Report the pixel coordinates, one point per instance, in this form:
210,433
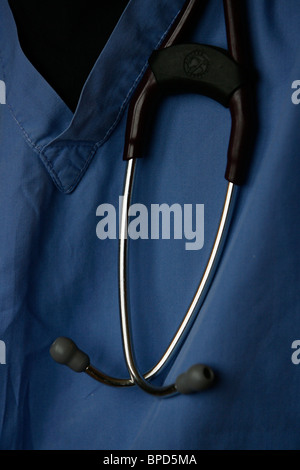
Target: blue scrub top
59,279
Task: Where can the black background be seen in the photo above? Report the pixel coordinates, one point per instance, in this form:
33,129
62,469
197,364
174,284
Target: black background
63,38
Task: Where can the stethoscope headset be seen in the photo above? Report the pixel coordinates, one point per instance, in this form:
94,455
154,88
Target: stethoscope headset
180,68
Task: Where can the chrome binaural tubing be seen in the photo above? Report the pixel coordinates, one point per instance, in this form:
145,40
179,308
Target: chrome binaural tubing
135,376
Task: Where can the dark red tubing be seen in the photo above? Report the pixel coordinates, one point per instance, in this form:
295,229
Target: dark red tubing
241,103
146,95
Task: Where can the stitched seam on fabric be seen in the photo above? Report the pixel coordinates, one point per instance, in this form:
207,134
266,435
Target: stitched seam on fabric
67,144
87,162
81,171
46,162
49,165
32,144
37,149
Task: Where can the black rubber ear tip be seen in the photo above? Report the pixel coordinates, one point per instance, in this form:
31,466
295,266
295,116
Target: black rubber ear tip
64,351
199,377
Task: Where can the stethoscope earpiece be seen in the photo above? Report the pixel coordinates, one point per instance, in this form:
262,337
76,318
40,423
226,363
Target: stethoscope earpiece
199,377
64,351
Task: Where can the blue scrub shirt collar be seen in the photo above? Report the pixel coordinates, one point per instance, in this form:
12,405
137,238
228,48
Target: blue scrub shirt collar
66,143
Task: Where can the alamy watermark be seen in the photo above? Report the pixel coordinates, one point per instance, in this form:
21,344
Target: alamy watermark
2,92
295,358
2,352
295,97
163,222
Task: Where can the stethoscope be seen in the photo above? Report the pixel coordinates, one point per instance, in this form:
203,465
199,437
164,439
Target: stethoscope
178,68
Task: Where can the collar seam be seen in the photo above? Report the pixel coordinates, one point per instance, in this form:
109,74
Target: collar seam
53,172
11,110
122,107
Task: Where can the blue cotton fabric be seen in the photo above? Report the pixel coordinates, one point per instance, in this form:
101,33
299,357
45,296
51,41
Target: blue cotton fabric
58,278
